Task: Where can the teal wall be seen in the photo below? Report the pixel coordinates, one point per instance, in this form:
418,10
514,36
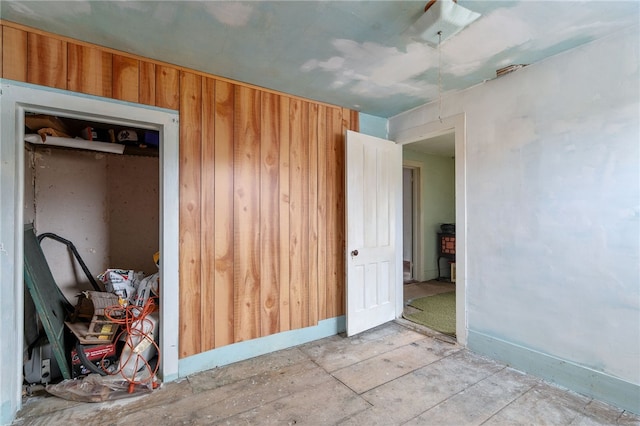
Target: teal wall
373,126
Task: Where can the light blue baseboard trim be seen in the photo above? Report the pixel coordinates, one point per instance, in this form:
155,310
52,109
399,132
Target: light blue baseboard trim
578,378
263,345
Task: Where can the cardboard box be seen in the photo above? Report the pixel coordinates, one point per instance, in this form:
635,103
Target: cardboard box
102,356
40,121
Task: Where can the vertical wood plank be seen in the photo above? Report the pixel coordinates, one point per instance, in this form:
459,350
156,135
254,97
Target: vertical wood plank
269,214
304,211
340,131
224,252
334,192
147,83
299,219
207,215
14,54
167,87
125,85
1,49
47,63
284,168
89,70
189,205
313,213
323,272
354,121
246,204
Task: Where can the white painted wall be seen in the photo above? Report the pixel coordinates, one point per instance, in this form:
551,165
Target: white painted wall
437,206
553,195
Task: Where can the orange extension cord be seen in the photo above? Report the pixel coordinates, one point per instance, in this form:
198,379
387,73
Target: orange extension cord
126,317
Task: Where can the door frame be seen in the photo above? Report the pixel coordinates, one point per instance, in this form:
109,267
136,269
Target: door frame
16,98
457,123
417,217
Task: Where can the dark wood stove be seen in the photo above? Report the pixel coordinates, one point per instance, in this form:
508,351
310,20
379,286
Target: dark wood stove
446,249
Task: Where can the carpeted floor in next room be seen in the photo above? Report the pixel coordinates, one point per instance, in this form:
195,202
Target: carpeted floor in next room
416,290
427,288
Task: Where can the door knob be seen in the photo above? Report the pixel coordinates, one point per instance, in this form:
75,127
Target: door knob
354,252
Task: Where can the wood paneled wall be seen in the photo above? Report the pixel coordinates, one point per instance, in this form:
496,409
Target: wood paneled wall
261,186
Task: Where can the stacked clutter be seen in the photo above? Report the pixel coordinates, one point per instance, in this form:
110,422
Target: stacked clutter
120,328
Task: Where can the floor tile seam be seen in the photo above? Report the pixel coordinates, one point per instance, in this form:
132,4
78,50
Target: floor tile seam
359,395
630,413
352,415
249,409
390,380
370,358
286,393
235,381
522,394
395,378
456,393
291,394
578,410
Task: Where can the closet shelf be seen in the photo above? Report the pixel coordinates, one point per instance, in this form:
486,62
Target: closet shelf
113,148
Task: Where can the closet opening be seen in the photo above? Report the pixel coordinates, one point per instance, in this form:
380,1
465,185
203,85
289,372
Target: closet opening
91,194
118,209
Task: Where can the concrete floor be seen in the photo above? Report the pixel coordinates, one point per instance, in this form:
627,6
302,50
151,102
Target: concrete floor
391,375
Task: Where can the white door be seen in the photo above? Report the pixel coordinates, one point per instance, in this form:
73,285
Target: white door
374,237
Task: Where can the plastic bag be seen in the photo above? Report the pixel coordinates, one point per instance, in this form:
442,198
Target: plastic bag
121,281
97,388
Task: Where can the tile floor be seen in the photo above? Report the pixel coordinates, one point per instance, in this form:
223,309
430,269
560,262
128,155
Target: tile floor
391,375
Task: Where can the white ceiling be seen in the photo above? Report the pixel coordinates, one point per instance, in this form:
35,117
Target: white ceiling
357,54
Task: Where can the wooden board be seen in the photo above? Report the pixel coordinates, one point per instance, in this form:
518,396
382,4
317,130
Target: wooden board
125,85
284,215
147,83
224,251
298,208
335,268
168,87
47,59
313,214
269,214
14,54
323,279
246,214
190,338
89,70
81,331
207,214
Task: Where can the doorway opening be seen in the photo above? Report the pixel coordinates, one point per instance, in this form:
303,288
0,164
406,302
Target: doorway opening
436,150
410,226
432,200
